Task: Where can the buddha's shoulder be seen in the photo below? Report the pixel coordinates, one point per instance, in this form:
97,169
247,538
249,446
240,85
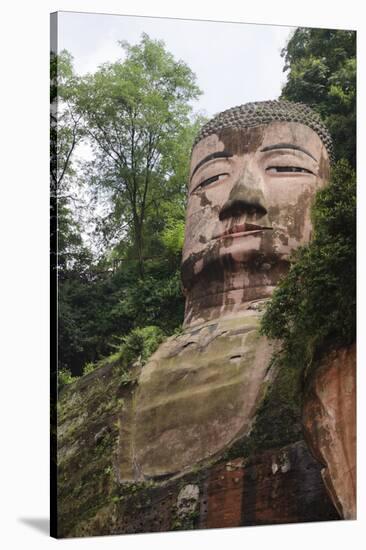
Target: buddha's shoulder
198,392
211,342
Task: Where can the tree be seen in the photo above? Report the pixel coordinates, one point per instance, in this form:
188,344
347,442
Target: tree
137,112
66,131
70,258
324,272
321,67
65,127
141,104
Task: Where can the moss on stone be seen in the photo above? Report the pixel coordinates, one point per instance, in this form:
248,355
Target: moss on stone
278,420
94,416
88,439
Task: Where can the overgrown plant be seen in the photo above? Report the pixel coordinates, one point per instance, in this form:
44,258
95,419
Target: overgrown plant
64,377
139,344
314,307
321,65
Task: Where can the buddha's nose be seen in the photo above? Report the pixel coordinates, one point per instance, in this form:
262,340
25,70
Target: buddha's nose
245,197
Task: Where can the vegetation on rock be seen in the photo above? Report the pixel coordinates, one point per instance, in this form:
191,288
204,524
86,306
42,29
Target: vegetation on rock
321,65
120,294
314,307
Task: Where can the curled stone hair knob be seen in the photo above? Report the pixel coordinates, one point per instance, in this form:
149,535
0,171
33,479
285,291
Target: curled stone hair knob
265,112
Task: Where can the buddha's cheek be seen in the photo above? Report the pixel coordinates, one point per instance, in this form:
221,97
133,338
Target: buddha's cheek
291,224
200,227
196,234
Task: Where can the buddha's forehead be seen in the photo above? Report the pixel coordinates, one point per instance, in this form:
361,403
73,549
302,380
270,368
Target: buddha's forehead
242,141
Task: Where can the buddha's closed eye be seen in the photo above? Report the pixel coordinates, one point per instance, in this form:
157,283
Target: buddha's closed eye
210,180
288,169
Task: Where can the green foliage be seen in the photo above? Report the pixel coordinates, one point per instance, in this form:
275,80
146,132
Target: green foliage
139,344
315,305
94,310
72,254
322,74
87,319
137,114
68,249
173,236
89,367
65,377
154,300
65,125
136,346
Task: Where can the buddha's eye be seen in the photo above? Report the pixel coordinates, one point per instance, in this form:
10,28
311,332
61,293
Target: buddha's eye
208,181
277,169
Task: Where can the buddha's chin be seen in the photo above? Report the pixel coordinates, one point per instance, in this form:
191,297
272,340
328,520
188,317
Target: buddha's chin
219,263
249,251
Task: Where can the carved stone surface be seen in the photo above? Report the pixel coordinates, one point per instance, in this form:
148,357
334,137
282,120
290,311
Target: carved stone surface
329,418
276,486
257,113
248,208
279,485
198,393
250,194
148,455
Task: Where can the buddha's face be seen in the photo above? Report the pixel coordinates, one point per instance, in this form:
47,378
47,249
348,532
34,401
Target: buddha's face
250,194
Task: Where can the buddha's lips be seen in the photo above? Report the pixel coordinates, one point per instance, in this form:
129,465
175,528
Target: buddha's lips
242,229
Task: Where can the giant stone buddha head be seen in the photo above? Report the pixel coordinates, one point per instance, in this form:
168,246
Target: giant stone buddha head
254,173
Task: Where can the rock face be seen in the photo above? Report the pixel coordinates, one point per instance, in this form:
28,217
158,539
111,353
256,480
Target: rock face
99,492
276,486
329,418
198,393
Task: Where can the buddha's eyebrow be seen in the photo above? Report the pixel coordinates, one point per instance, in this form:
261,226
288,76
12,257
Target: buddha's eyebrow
287,146
218,154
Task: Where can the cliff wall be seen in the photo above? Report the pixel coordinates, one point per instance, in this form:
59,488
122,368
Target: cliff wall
247,484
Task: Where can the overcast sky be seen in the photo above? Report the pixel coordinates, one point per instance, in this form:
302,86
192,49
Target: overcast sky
234,62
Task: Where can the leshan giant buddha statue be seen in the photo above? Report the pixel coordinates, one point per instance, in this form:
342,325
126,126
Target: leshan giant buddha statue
254,173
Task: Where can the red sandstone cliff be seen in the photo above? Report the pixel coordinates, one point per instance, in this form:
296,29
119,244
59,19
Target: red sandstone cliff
329,418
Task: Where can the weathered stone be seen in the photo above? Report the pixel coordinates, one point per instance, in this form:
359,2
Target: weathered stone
98,494
149,457
249,201
276,486
187,501
329,418
264,112
248,209
198,393
91,413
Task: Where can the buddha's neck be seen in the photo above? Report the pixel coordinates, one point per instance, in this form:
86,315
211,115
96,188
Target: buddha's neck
230,296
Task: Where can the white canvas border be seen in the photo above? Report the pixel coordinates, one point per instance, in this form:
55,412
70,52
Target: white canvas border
24,287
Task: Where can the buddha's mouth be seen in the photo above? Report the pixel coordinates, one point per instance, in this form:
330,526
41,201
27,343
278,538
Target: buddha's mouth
242,229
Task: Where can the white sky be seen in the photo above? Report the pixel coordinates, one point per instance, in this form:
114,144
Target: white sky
234,62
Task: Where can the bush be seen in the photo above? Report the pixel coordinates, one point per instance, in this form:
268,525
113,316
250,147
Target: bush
89,367
314,307
156,299
138,345
65,377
